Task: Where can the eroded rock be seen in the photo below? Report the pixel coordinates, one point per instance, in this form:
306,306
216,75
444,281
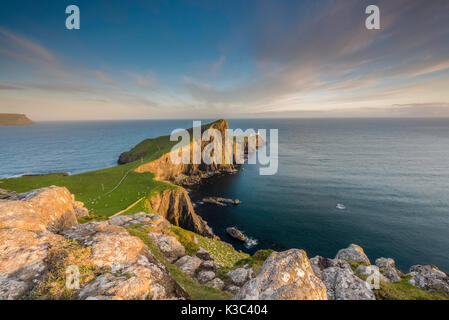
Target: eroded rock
189,264
429,277
388,269
285,275
170,247
353,253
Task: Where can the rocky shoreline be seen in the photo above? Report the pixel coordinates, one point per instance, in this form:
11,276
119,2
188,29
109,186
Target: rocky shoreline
117,264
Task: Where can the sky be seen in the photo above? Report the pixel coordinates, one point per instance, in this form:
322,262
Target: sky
224,59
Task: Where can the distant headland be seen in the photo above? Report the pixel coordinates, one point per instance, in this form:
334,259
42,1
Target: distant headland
14,119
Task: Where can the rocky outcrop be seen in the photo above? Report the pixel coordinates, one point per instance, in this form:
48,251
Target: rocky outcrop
170,247
175,206
387,267
14,119
38,230
221,201
47,209
189,174
353,253
285,275
341,282
429,277
236,234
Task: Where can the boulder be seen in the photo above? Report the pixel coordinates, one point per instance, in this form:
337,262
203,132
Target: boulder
203,254
342,284
429,277
239,277
216,283
387,267
80,210
373,271
46,209
189,264
209,265
170,247
232,289
205,276
353,253
285,275
23,256
320,263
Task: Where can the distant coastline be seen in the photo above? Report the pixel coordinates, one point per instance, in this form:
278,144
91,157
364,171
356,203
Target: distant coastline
14,119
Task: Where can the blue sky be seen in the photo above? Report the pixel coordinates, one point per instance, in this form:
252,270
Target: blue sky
211,59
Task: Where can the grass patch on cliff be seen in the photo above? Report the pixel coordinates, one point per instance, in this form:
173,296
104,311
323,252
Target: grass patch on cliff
403,290
255,262
193,288
222,252
67,253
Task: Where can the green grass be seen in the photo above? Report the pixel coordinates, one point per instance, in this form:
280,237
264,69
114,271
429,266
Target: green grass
222,252
193,288
255,262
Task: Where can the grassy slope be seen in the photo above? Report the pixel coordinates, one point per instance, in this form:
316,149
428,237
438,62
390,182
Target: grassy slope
97,188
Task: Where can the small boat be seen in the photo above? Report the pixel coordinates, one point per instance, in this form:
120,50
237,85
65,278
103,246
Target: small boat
341,206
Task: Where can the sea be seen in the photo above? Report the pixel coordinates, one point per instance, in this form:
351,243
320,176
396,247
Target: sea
380,183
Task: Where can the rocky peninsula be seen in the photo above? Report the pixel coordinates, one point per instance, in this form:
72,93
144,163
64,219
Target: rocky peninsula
131,232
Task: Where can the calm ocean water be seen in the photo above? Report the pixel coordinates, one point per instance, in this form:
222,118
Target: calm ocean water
392,176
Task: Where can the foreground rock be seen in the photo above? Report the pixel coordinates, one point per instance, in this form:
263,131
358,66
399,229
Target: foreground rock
285,275
170,247
353,253
341,282
33,256
429,277
387,267
236,234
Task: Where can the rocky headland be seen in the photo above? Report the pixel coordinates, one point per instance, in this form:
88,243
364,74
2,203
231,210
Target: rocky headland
14,119
53,246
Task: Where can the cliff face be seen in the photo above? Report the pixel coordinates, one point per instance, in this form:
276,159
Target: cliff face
13,119
188,174
176,207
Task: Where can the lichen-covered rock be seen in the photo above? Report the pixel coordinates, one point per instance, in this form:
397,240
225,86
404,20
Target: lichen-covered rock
371,271
170,247
232,289
216,283
236,234
342,284
189,264
139,282
203,254
22,260
353,253
205,276
429,277
239,277
209,265
80,210
388,268
46,209
285,275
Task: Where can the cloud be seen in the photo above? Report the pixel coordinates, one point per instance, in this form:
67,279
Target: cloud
24,50
103,77
325,50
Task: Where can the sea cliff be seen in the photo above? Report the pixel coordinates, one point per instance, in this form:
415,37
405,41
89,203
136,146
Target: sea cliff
14,119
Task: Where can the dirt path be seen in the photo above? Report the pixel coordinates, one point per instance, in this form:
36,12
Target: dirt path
123,211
